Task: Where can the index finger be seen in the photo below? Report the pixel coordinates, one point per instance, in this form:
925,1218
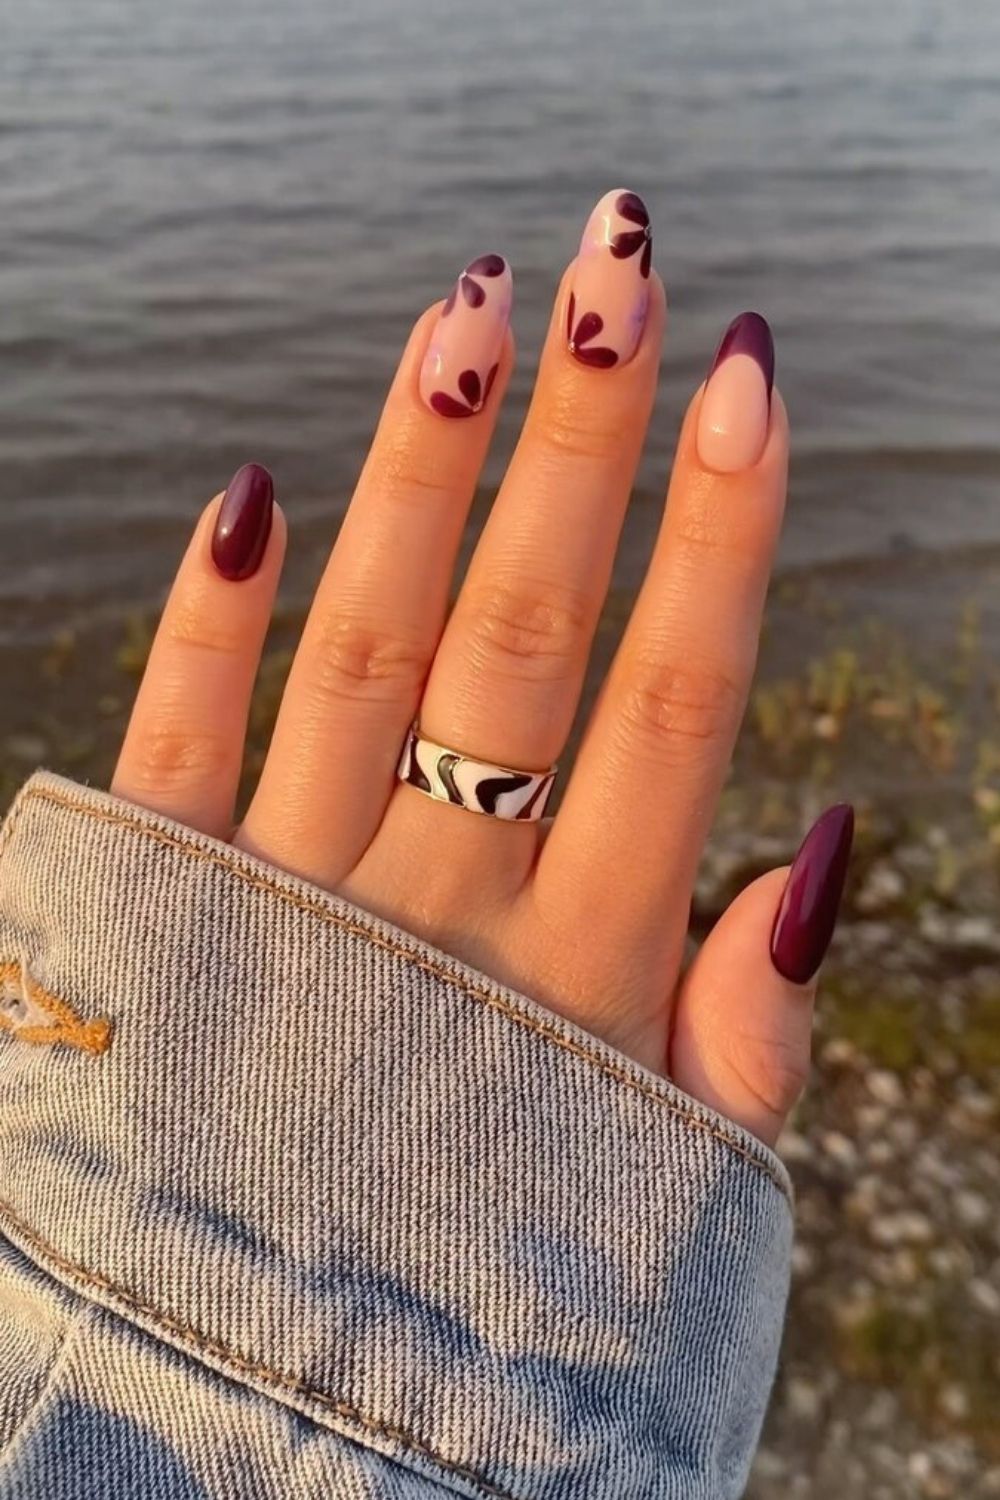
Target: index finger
656,751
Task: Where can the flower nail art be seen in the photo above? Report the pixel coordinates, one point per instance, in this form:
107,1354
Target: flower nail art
611,284
628,241
475,296
474,391
463,355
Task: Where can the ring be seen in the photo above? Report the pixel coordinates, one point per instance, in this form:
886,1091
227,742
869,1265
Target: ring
482,787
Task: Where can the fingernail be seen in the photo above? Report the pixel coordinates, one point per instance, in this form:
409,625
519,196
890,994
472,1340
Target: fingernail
807,915
463,356
243,524
736,406
607,306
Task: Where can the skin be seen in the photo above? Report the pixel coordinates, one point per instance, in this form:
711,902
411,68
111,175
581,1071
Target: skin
587,912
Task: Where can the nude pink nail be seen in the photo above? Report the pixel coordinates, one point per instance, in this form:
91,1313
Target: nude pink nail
463,356
736,405
607,306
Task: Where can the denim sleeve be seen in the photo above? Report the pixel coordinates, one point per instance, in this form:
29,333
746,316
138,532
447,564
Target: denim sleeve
293,1204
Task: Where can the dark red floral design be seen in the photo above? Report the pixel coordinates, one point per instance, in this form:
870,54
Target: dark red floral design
589,326
475,394
484,265
628,241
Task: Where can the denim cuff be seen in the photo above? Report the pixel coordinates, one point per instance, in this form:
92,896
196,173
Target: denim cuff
344,1169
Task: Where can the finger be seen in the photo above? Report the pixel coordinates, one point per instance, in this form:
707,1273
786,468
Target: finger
506,679
743,1020
183,749
659,741
374,624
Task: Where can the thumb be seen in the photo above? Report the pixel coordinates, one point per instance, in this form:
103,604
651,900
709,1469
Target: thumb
743,1020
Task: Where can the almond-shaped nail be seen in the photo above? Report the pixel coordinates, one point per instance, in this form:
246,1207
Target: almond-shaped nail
610,295
810,901
735,410
243,523
463,356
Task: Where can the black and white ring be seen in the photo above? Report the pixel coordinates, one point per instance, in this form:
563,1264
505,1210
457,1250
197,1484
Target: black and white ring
449,776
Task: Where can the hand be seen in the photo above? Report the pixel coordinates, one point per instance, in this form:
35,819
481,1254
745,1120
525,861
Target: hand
586,912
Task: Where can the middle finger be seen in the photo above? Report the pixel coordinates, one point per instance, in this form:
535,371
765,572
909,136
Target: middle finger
507,675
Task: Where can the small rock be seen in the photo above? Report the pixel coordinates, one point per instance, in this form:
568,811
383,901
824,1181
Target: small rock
794,1147
769,1466
885,1087
863,1199
803,1260
953,1401
985,1297
871,1118
841,1149
839,1052
903,1132
972,1209
920,1466
904,1228
882,889
977,1104
944,1261
974,932
905,1268
803,1400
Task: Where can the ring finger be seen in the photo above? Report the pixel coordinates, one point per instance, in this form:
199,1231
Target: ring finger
374,623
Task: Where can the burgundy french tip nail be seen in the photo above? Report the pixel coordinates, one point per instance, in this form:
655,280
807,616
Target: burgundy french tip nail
807,914
243,524
748,334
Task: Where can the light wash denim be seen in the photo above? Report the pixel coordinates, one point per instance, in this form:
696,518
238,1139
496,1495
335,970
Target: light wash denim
294,1205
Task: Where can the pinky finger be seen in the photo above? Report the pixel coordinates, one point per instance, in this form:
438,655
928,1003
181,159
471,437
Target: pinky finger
743,1020
183,749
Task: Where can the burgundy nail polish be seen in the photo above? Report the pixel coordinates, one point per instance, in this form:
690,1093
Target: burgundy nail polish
243,524
748,334
807,915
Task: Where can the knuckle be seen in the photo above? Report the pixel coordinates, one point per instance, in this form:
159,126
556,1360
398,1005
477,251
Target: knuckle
527,631
194,624
168,757
353,660
775,1070
406,469
580,426
675,702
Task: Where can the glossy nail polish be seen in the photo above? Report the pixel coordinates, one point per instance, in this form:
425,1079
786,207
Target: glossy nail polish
610,295
807,914
243,524
463,356
736,405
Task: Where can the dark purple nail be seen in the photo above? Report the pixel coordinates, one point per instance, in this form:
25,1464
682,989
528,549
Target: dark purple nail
748,334
807,915
243,524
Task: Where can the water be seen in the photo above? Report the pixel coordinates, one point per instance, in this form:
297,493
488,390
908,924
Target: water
218,221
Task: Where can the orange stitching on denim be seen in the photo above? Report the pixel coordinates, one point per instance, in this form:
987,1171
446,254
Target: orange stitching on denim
550,1033
264,1373
91,1036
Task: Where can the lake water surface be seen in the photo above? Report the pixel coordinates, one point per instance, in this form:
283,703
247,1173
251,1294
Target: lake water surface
217,223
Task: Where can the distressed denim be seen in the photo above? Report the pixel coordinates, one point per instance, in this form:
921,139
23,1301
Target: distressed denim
293,1204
